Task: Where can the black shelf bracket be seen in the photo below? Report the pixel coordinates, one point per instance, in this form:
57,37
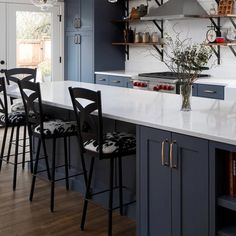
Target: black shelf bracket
233,22
159,3
159,26
216,51
160,51
232,50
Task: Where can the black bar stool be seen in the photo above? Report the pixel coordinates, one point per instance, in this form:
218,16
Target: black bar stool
12,77
11,120
41,128
110,146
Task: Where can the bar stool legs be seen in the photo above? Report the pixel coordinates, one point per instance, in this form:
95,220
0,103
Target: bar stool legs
87,194
3,145
110,197
24,147
51,176
120,185
35,170
16,157
10,144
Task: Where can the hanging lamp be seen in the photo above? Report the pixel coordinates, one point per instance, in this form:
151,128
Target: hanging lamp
44,4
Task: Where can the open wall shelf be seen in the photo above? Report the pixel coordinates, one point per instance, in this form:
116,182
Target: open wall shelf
126,23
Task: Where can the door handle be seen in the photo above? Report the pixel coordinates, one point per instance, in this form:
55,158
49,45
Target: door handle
163,162
173,165
77,39
2,62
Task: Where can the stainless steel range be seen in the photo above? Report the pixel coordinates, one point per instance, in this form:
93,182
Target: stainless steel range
159,81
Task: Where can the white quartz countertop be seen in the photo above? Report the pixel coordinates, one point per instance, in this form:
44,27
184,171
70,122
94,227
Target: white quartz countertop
209,119
212,80
118,73
216,81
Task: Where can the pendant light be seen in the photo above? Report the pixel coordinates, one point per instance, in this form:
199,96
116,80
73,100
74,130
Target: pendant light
44,4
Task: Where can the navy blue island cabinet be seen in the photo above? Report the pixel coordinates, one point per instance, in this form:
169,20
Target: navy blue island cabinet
173,186
89,33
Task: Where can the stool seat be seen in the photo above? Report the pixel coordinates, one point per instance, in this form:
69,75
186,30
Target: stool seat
57,127
18,107
113,143
14,118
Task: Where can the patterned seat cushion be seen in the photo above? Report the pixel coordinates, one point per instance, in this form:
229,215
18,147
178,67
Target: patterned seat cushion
113,142
18,106
57,127
14,118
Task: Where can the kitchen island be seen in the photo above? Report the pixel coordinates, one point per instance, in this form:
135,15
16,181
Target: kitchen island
181,157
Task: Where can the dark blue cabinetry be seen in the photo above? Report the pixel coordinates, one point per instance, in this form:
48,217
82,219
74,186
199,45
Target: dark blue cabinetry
173,184
88,37
208,91
119,81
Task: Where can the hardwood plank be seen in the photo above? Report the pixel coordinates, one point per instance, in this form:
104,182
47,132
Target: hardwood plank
19,217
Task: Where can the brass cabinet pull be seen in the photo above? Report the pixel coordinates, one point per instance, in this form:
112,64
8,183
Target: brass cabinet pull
163,163
209,91
163,153
115,81
172,164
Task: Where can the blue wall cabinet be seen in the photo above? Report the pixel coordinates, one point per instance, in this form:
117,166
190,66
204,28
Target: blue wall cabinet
93,50
173,184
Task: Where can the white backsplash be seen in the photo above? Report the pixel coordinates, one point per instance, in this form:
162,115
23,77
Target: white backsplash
145,59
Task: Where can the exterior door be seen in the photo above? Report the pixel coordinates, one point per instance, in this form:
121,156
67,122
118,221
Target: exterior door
34,40
3,36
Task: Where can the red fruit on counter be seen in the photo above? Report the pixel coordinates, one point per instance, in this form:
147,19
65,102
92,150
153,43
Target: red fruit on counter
170,88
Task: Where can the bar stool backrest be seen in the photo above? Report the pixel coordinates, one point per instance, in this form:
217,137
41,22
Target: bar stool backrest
31,96
15,74
86,104
3,99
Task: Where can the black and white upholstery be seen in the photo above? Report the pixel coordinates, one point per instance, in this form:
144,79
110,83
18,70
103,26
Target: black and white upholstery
113,143
18,106
57,127
14,120
40,127
112,146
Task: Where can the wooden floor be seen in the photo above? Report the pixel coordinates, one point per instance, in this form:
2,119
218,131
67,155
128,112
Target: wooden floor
20,217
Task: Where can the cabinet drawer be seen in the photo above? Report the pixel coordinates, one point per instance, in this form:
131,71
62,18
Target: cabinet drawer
118,81
102,79
211,91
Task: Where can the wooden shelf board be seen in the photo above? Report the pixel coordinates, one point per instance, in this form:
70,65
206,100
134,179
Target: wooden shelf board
227,202
136,44
220,44
219,16
126,21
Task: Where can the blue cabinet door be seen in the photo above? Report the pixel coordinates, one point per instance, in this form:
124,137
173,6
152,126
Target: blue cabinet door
211,91
72,56
154,181
72,14
86,57
173,184
190,186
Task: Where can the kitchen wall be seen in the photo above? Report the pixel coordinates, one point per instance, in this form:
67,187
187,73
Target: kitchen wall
144,59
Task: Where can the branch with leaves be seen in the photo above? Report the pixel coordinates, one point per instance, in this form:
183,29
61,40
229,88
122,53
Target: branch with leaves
185,58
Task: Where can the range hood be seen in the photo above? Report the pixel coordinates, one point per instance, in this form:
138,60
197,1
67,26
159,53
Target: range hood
175,9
